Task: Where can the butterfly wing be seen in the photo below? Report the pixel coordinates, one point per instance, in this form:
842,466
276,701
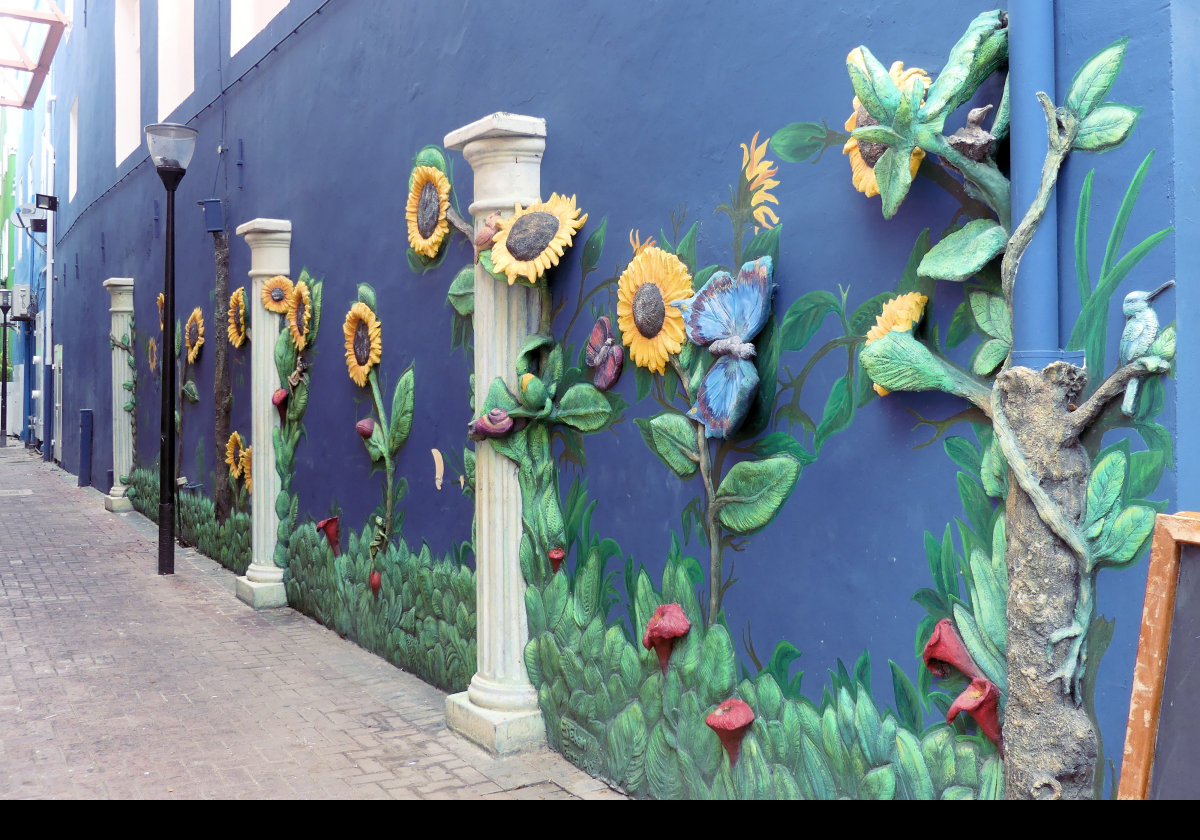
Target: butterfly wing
751,302
608,370
725,396
601,333
728,306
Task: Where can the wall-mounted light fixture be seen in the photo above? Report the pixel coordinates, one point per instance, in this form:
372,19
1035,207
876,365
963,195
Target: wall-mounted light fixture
46,202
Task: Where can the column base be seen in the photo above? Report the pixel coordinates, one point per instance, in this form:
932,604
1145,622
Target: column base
261,596
501,733
118,504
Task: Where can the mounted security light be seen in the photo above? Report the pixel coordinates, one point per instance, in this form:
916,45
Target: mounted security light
46,202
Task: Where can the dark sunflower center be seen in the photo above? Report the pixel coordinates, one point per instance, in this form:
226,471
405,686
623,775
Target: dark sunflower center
362,344
871,152
278,294
649,310
191,335
300,325
530,234
429,209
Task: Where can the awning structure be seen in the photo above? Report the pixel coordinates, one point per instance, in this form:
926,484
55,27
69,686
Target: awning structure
26,31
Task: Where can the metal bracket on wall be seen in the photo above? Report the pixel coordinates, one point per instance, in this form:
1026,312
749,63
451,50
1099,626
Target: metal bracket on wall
156,226
102,234
241,162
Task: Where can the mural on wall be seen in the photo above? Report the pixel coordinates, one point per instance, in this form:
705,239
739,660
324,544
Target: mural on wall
639,675
415,610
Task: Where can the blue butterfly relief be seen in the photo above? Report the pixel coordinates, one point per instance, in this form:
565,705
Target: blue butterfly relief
725,316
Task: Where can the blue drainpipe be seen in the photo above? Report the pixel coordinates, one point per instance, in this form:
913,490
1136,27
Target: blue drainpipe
1036,340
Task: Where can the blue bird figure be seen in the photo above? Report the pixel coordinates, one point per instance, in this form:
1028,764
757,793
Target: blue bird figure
1141,328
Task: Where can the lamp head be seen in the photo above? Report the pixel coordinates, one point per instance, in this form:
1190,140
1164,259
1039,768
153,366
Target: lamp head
5,300
171,147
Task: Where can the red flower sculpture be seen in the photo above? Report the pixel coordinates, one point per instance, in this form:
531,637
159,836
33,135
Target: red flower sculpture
279,400
730,721
376,581
666,625
981,700
557,555
945,648
332,531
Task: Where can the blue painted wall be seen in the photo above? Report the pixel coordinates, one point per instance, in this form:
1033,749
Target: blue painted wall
646,107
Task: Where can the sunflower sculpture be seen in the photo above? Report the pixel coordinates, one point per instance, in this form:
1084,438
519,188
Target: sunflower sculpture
899,315
364,343
534,238
152,354
234,448
193,335
246,453
864,155
651,325
428,206
162,302
237,317
299,313
275,294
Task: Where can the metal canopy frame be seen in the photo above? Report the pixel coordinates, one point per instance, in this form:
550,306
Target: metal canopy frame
55,22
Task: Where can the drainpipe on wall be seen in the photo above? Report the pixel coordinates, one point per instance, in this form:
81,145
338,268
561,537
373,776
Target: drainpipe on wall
1036,339
49,397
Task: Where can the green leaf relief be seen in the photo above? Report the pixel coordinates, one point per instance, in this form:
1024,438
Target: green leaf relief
990,355
873,86
753,492
895,177
672,437
991,314
462,292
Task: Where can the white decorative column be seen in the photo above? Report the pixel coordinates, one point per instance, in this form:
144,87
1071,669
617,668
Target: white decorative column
121,310
270,242
500,709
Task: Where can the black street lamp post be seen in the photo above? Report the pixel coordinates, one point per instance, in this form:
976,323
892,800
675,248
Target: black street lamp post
5,305
171,147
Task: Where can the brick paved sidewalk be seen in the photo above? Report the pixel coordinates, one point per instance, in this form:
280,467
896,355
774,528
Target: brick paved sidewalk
117,683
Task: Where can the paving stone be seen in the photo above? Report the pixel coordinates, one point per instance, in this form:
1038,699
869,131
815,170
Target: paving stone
117,683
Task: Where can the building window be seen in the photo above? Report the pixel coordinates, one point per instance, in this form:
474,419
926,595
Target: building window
176,54
73,153
127,45
247,18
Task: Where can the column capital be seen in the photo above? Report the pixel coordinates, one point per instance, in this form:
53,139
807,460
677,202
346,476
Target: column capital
505,152
270,242
121,291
